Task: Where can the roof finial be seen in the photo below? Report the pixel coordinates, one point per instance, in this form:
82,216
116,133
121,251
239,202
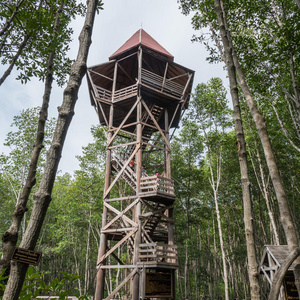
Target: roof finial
140,35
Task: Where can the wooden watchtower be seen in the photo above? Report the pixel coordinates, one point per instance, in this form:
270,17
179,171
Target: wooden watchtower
139,96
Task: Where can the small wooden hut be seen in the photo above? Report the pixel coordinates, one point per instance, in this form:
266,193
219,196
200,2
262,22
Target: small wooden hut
273,257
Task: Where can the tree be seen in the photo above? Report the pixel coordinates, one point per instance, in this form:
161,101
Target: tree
43,196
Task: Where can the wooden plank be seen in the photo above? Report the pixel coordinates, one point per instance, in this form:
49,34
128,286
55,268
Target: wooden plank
117,267
121,198
92,71
122,145
116,230
165,76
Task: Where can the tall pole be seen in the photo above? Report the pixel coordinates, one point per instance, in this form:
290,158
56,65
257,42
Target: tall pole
137,241
100,279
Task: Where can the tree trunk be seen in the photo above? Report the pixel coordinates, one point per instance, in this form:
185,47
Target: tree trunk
215,187
42,197
264,191
10,237
248,218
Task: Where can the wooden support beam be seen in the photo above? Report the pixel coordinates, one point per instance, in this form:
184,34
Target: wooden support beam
116,211
121,171
186,86
117,230
125,72
132,54
127,236
122,284
92,71
123,122
174,115
165,77
172,78
116,258
103,114
121,214
117,267
122,145
121,198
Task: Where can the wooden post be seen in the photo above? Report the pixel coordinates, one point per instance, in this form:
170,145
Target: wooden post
167,150
137,241
100,279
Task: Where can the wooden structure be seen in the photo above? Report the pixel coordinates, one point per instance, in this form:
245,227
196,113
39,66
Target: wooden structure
272,259
139,96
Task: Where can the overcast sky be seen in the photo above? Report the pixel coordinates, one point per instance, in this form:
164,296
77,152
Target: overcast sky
119,20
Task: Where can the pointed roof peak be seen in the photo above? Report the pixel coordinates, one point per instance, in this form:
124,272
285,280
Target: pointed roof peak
141,37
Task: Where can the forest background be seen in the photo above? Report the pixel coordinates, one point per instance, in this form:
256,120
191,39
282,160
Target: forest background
209,214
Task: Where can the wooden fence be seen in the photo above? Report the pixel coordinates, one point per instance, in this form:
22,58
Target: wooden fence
158,184
154,253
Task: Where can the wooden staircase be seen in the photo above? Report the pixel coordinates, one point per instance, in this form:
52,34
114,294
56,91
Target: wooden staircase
128,174
147,131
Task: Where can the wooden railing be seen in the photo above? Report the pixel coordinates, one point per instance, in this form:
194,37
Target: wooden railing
125,92
154,253
102,93
158,184
148,78
156,81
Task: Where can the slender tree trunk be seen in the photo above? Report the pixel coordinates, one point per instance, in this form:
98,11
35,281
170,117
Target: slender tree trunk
42,197
186,274
13,61
215,187
264,191
225,271
10,237
248,217
86,273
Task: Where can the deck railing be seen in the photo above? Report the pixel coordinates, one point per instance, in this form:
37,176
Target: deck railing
154,253
156,81
149,79
125,92
102,93
158,184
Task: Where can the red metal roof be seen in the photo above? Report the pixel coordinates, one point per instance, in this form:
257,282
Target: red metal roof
141,37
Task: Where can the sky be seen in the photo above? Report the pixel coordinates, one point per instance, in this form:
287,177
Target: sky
119,20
